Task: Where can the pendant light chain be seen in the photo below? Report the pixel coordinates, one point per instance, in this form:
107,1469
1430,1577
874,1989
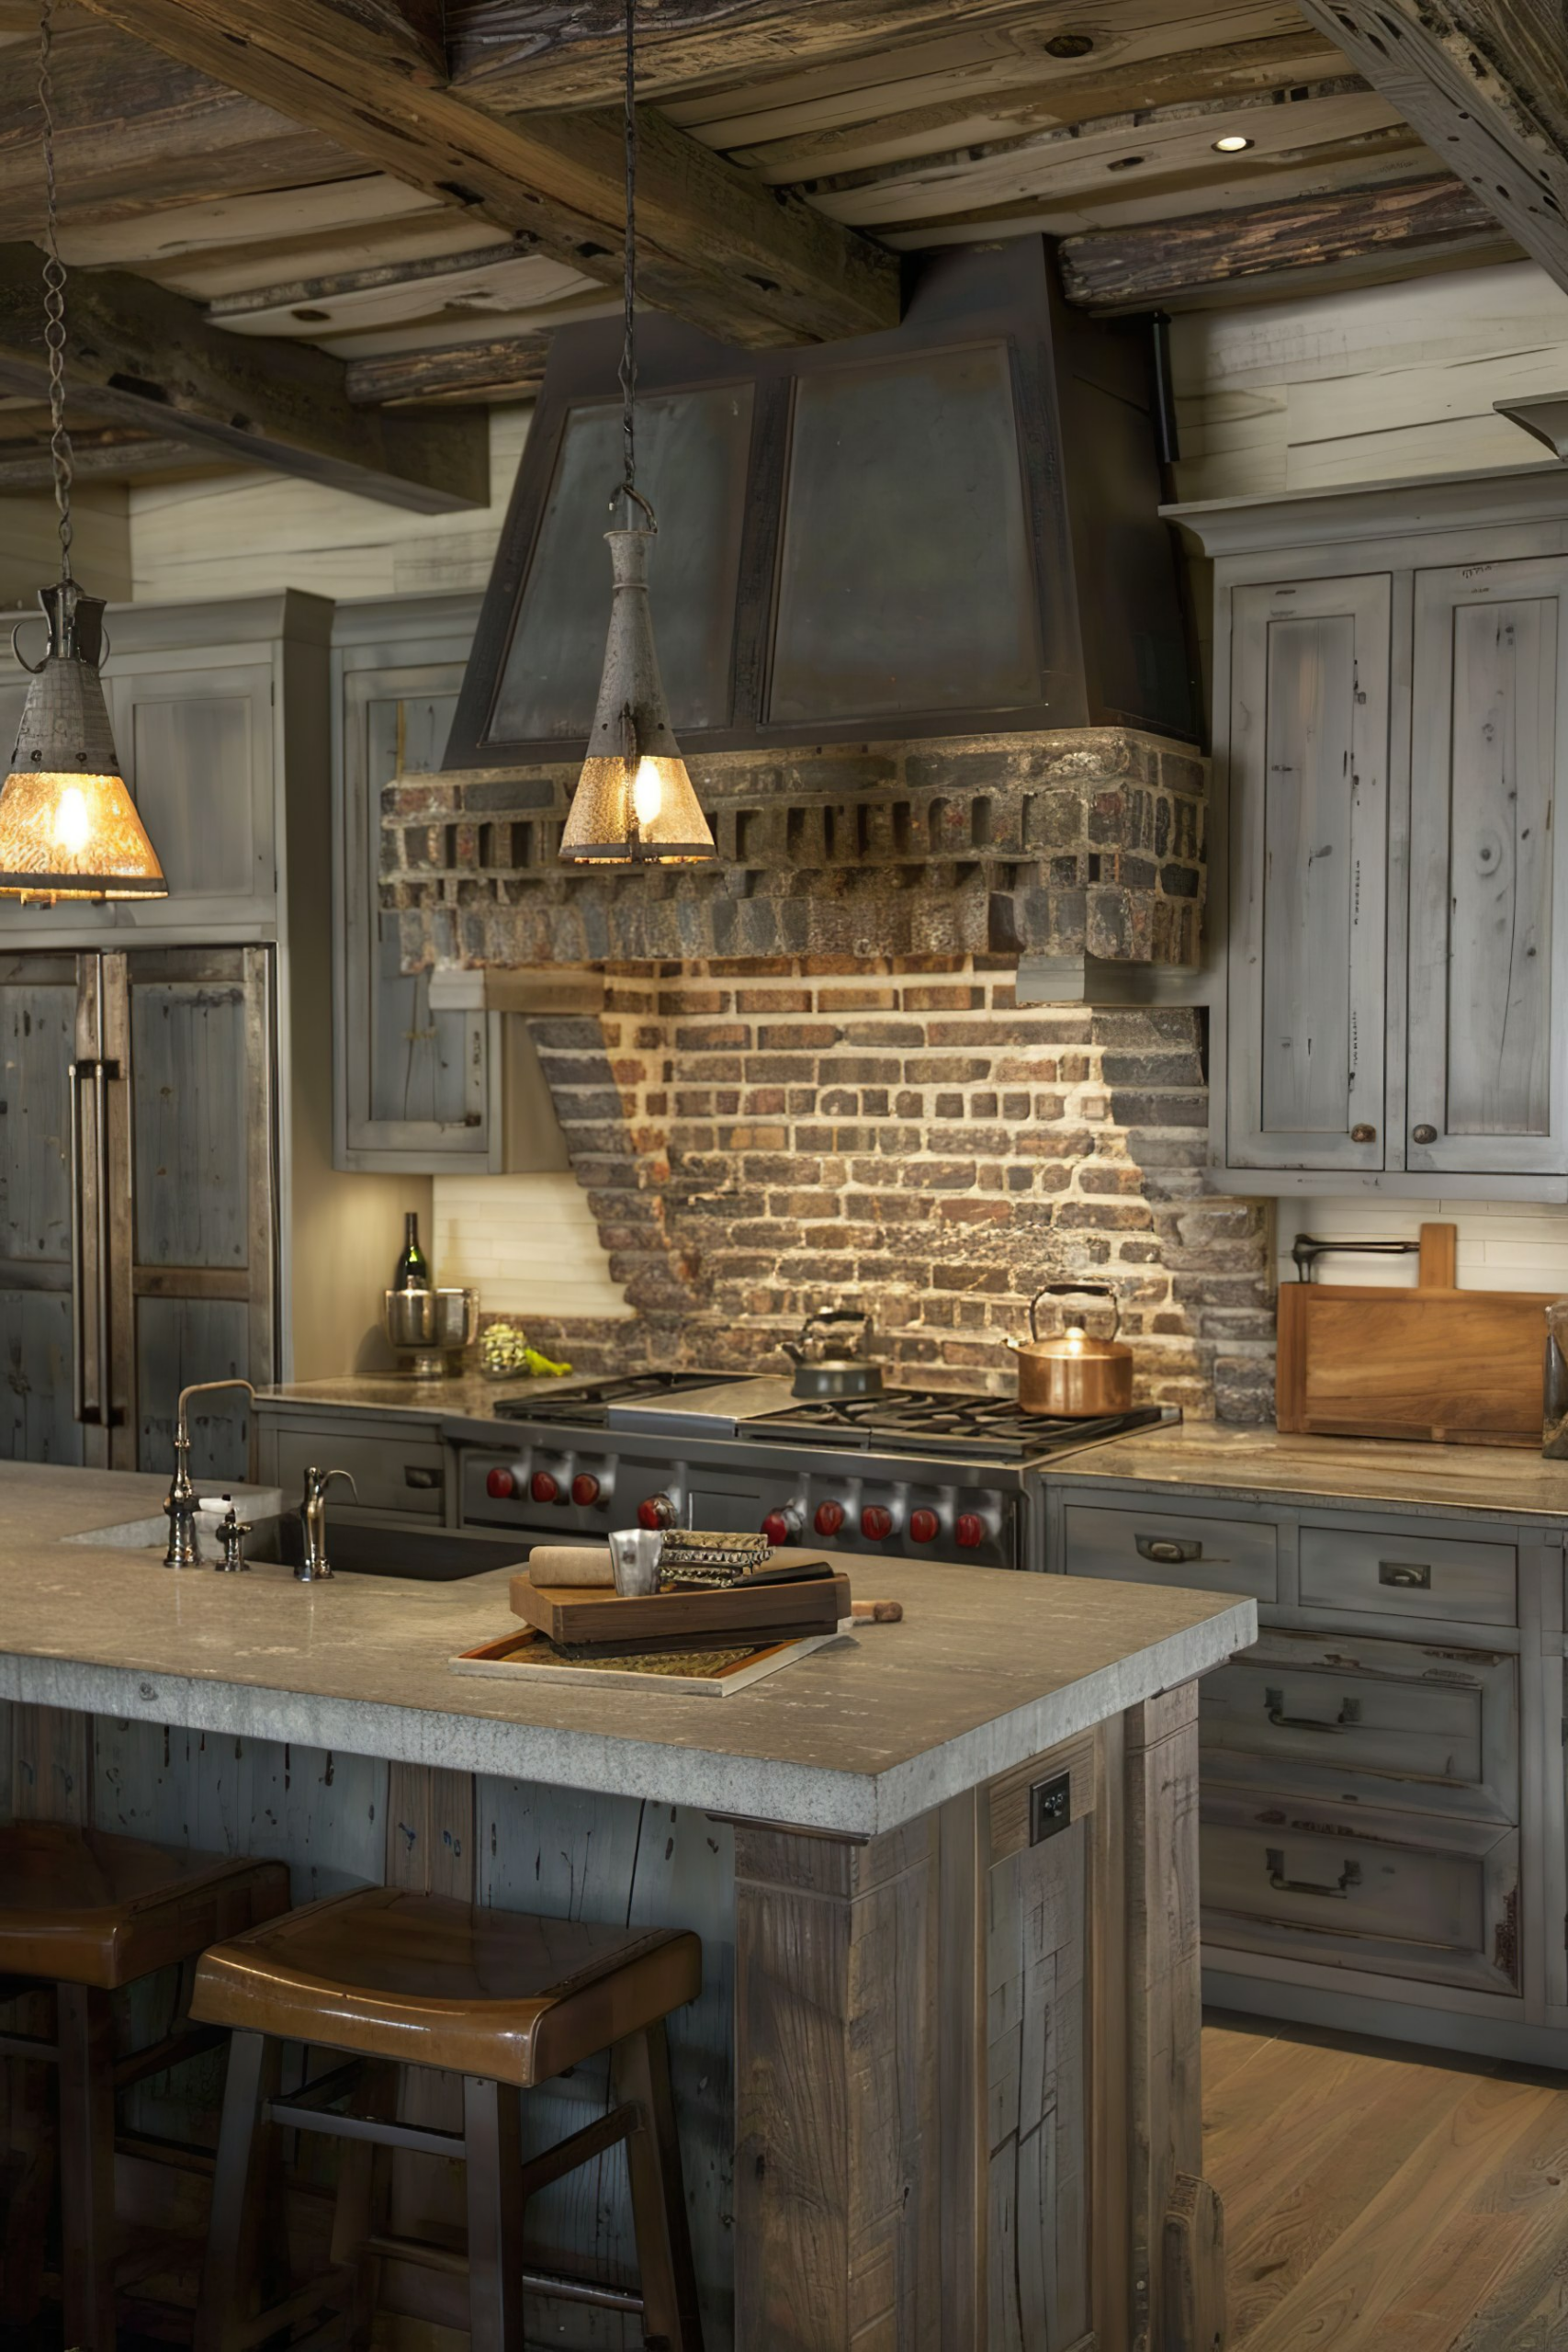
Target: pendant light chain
628,489
54,297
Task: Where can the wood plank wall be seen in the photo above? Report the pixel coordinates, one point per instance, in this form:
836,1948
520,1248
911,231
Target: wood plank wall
1361,386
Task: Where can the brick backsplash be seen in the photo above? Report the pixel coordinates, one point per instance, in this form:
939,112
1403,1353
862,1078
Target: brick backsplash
754,1137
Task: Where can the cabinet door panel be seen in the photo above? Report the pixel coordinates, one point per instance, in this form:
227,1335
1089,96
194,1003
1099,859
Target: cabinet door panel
1487,878
1309,802
413,1085
37,1045
196,747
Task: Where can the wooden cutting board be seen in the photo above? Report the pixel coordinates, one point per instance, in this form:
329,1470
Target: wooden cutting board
575,1616
1454,1367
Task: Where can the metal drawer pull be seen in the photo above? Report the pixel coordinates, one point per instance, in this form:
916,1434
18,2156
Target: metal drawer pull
1338,1892
1274,1702
1404,1572
416,1475
1170,1551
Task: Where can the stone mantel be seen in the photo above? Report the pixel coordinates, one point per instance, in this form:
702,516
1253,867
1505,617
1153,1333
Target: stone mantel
1086,842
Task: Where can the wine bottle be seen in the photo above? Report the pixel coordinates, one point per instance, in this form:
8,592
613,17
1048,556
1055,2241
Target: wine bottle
412,1269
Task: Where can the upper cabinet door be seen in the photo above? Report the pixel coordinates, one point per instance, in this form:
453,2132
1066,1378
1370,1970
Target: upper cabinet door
196,747
1309,736
413,1085
1488,886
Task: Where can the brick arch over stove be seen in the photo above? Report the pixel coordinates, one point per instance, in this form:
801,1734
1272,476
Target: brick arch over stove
752,1138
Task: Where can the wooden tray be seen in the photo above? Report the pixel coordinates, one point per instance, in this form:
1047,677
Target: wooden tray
575,1616
1451,1367
522,1655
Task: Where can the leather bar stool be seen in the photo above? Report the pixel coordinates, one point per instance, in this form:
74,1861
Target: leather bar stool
82,1913
507,2001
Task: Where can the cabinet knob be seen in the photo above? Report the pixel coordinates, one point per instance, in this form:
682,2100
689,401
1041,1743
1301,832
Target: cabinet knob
1423,1133
1363,1134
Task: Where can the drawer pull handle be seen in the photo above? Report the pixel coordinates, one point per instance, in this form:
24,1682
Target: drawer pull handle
1274,1704
1338,1892
1404,1572
1170,1551
416,1475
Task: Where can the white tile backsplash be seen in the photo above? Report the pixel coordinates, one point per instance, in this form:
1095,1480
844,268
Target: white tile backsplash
1502,1245
527,1244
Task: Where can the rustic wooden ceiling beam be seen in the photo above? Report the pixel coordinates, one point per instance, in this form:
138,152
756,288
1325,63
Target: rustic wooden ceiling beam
137,133
149,358
1357,234
714,246
1485,83
507,368
535,54
306,293
108,452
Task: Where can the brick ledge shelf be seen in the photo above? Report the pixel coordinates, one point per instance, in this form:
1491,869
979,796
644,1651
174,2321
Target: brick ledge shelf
1082,843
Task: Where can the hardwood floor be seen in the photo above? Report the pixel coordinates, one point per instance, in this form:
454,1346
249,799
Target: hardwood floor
1381,2198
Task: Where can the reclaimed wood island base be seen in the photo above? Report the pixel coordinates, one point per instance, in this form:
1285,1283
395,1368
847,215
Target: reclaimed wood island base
941,2089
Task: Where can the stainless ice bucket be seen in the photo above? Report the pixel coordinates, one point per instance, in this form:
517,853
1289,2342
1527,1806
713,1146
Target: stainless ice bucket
433,1327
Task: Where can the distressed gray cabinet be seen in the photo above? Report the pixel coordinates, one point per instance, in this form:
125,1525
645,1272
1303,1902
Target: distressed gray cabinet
213,706
414,1084
1389,935
1384,1839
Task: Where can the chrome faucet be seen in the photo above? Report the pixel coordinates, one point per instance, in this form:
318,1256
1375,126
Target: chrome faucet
181,1504
314,1568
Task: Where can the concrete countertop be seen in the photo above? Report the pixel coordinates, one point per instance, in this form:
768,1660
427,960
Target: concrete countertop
456,1396
1510,1482
989,1668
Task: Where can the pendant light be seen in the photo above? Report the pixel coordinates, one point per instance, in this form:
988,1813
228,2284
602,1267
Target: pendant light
634,802
68,827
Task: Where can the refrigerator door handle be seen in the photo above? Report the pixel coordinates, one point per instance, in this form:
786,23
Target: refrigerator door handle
102,1072
80,1408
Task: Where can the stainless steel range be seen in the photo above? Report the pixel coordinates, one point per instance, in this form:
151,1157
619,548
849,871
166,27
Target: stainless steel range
911,1473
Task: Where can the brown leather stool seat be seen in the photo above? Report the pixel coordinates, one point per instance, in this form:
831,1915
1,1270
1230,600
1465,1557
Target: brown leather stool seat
85,1908
506,2000
427,1982
88,1913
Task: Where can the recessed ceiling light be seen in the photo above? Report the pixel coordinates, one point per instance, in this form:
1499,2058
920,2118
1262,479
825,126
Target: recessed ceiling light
1123,162
1232,143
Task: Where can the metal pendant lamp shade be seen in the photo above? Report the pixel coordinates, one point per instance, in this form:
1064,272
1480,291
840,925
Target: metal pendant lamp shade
68,826
634,802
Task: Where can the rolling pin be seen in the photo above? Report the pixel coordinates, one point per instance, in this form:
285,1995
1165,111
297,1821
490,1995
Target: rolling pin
570,1564
877,1613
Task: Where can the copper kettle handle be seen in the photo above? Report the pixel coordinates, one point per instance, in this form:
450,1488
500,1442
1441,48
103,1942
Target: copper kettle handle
1075,1290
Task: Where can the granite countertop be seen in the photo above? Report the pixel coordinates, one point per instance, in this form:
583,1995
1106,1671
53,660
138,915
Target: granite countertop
1511,1481
456,1396
988,1668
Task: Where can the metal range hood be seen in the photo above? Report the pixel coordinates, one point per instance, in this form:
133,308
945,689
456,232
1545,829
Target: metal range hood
950,528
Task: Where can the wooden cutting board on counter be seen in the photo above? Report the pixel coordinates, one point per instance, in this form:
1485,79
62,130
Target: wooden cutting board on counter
1453,1367
575,1616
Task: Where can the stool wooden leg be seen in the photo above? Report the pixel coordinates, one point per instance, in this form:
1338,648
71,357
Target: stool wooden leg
492,2132
364,2192
229,2273
86,2036
659,2198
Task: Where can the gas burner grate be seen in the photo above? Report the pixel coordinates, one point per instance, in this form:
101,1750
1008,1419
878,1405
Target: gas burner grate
932,1420
586,1407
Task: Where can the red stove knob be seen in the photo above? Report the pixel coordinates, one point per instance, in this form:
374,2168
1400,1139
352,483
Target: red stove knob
924,1526
657,1511
500,1483
584,1490
875,1521
543,1487
782,1526
829,1518
970,1529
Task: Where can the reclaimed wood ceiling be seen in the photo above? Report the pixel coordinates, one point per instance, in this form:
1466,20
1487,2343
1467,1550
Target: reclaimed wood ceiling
792,148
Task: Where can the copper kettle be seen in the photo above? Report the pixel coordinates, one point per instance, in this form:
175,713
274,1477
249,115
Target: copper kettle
1073,1376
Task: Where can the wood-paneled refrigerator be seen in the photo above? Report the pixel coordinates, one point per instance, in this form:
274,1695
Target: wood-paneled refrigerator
139,1188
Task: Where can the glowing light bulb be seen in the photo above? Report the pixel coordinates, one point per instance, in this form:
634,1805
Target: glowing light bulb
1233,144
647,792
72,823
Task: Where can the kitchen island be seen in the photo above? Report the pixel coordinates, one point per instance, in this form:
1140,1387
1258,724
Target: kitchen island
940,2087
